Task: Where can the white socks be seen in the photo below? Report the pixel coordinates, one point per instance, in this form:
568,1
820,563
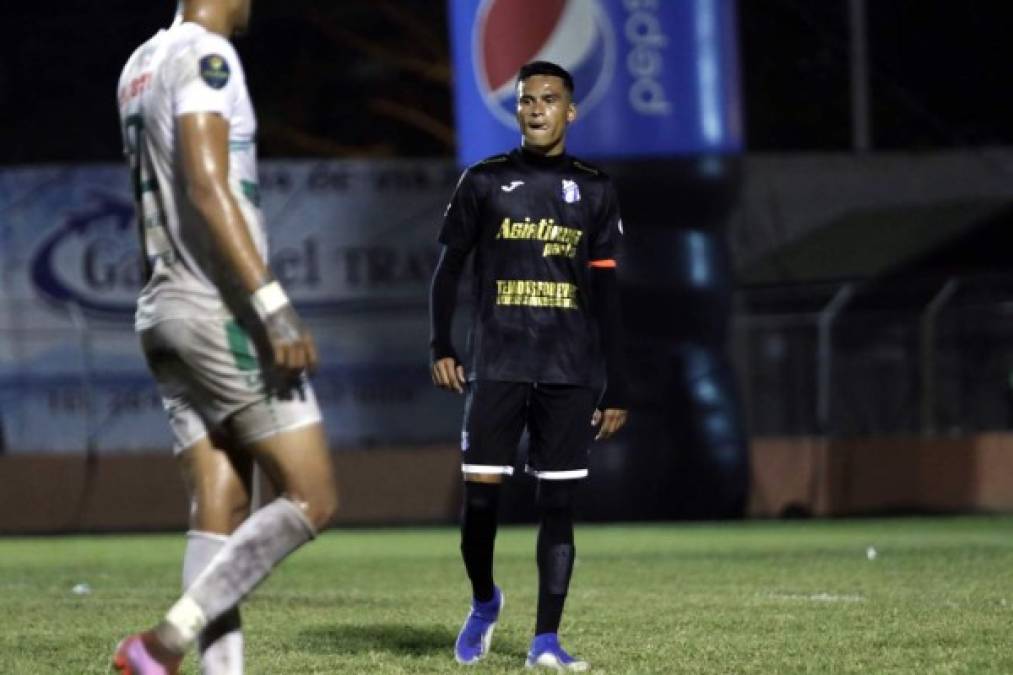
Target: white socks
220,644
245,559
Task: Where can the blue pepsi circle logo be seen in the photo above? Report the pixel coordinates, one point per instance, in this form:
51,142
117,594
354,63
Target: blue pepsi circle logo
576,34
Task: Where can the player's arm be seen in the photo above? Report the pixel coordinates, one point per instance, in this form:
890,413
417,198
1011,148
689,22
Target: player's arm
458,235
204,145
612,409
611,412
447,371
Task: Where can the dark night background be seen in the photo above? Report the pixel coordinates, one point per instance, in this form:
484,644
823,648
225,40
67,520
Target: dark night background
372,77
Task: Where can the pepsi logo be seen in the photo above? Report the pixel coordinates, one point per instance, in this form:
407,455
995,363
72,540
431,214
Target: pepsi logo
576,34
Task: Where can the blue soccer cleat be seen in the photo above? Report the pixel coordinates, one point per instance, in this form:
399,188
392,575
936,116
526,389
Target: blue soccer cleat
546,652
476,634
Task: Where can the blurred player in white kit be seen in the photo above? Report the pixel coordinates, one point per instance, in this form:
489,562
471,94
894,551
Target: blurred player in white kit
225,345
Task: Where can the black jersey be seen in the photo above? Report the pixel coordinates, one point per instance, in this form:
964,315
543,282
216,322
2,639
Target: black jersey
535,223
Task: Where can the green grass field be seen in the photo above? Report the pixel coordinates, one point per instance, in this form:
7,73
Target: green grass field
776,597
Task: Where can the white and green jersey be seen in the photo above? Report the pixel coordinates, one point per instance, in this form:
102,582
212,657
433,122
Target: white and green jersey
184,69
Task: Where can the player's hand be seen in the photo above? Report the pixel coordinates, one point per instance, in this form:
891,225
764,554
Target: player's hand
611,421
292,348
448,374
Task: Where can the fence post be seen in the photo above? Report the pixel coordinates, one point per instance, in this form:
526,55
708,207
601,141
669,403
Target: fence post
87,378
927,354
824,354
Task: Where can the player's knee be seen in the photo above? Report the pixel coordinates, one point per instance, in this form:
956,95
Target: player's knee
481,497
321,508
555,496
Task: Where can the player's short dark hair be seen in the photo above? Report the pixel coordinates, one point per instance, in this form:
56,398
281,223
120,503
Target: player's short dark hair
546,68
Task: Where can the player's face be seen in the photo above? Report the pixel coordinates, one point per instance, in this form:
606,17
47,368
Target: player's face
544,110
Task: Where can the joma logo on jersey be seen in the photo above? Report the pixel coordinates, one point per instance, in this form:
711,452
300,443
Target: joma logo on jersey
560,240
214,70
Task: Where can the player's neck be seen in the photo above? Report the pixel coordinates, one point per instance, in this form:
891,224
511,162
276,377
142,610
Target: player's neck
210,17
539,158
556,150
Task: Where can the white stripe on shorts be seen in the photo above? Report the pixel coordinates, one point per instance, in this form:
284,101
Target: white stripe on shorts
487,468
557,475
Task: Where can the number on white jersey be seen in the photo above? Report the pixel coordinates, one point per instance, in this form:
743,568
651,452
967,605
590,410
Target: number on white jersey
151,217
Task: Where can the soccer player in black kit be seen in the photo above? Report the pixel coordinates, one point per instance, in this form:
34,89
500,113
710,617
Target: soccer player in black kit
543,227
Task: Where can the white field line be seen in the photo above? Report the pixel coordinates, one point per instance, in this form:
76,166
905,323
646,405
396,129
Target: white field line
815,597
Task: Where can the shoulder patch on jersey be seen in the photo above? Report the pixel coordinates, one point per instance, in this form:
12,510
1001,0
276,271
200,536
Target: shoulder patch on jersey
577,164
214,70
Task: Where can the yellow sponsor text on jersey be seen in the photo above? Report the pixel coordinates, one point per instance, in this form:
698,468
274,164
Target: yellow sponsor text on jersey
560,240
532,293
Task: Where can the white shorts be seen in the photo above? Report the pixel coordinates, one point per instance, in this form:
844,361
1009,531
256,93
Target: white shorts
208,373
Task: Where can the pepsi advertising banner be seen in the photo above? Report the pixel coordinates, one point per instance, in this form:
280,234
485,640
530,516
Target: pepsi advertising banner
653,77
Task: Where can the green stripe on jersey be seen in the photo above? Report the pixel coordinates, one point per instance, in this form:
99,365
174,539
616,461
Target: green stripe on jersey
252,191
240,346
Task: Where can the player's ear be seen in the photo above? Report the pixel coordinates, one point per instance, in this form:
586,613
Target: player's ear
571,112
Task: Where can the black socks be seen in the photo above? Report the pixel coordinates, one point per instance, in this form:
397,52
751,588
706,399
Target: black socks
478,535
555,551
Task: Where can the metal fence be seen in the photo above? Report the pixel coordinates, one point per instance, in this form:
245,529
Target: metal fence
926,357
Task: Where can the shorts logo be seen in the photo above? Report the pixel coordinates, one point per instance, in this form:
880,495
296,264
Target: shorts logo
571,193
214,70
576,34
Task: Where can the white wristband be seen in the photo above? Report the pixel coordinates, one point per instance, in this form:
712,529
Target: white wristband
268,299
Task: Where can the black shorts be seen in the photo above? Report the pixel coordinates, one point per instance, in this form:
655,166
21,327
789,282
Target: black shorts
558,419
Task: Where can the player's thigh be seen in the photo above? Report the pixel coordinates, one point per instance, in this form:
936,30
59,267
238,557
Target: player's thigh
221,370
216,479
494,417
298,463
220,375
560,431
218,482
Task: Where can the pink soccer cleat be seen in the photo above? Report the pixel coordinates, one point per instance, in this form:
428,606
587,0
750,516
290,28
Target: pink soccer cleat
134,657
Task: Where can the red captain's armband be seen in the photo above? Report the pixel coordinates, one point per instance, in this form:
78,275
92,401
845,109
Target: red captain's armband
608,264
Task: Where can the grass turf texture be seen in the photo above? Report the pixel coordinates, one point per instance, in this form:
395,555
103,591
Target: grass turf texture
772,597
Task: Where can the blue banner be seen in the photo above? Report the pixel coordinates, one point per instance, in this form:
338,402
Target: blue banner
653,77
353,242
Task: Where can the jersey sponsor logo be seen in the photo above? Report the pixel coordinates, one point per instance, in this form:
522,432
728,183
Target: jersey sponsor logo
134,87
214,70
560,240
576,34
533,293
514,184
571,193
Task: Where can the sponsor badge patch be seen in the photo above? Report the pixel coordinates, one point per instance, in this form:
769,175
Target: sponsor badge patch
214,70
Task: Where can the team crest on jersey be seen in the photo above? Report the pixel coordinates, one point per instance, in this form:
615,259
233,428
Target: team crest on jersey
571,193
214,70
